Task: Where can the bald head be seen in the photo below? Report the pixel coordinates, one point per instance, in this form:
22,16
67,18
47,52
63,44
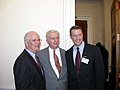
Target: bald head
32,41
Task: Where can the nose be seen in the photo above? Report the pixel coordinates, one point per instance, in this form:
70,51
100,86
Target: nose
78,37
38,41
56,39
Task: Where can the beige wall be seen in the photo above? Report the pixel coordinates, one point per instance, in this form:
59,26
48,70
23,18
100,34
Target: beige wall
94,10
107,13
99,11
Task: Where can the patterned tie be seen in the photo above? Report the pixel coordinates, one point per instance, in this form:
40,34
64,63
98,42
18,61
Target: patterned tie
38,62
77,61
57,64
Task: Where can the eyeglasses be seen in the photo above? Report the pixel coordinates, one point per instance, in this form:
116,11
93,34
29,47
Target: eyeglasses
34,40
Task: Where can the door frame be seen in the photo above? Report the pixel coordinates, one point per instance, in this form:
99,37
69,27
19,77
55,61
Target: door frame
89,27
115,46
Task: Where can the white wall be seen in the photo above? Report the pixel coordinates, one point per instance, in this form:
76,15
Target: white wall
20,16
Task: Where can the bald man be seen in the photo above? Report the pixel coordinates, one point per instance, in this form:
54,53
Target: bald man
27,74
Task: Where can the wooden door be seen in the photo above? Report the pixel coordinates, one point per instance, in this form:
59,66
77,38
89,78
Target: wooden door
115,45
83,24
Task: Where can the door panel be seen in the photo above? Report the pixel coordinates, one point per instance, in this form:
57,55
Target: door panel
83,24
115,46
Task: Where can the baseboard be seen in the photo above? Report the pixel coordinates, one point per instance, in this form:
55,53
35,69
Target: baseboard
6,89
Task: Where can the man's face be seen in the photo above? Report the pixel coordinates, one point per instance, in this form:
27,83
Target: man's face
77,36
33,44
53,40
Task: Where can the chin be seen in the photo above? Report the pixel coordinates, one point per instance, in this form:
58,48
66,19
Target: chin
37,49
77,44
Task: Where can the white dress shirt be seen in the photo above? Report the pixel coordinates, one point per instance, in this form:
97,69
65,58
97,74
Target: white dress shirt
81,47
57,51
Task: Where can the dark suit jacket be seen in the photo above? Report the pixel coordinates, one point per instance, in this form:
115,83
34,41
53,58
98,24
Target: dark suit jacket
105,55
91,75
27,74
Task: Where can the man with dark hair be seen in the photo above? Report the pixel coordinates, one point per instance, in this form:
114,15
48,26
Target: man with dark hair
84,64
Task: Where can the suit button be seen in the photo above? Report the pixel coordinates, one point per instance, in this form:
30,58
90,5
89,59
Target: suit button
56,87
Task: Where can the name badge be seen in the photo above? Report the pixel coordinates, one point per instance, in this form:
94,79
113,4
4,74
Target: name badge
85,60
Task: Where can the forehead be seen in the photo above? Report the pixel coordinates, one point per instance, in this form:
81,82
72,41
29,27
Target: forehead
33,35
76,31
53,34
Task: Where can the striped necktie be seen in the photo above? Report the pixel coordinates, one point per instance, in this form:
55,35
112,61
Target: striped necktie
57,64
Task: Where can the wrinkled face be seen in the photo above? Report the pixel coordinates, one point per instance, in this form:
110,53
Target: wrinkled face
77,36
53,40
33,43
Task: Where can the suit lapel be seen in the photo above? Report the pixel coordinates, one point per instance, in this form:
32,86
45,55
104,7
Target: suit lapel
33,62
72,65
63,61
84,50
61,55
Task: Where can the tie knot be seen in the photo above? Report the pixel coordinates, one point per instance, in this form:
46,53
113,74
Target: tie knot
36,56
77,48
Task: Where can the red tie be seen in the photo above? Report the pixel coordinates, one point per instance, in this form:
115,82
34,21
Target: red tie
57,62
77,61
38,62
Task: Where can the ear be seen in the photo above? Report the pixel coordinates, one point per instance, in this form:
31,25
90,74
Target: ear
46,40
26,43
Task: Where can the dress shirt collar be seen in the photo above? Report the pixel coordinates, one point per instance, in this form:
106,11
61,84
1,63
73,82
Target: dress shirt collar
31,53
81,47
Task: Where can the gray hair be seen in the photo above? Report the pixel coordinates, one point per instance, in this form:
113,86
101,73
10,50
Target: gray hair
50,31
28,35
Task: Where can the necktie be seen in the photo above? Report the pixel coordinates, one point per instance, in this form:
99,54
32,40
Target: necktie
38,62
77,61
57,64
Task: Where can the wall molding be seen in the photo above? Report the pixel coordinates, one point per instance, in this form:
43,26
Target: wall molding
89,27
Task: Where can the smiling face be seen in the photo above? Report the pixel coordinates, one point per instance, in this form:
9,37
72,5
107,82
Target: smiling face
76,36
52,38
32,41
